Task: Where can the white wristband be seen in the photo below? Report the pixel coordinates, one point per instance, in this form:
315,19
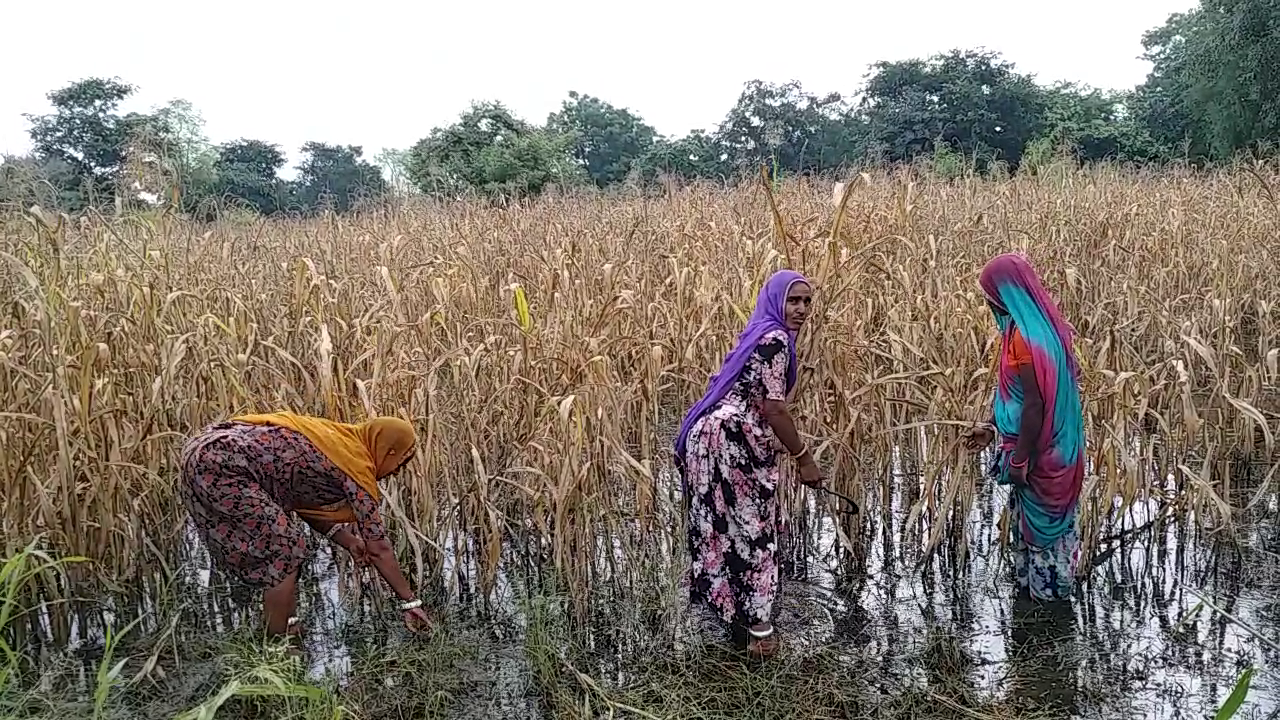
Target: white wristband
410,605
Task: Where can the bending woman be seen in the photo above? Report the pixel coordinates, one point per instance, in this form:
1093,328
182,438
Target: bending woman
242,481
728,456
1037,413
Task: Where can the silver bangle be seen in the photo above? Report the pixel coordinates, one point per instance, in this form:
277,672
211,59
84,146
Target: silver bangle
411,605
333,531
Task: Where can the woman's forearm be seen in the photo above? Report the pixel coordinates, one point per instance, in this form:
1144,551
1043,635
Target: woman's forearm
1028,433
784,427
1032,420
346,538
383,557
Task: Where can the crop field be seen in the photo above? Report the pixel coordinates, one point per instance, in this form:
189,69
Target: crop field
545,354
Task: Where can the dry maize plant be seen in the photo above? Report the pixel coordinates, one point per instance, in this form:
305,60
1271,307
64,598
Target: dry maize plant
546,351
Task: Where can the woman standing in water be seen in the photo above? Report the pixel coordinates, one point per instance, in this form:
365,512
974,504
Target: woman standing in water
242,481
728,456
1038,417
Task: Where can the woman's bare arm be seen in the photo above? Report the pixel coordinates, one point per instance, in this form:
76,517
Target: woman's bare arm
1032,416
383,558
779,418
381,554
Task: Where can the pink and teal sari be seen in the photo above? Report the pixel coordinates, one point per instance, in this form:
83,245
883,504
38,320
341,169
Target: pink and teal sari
1044,509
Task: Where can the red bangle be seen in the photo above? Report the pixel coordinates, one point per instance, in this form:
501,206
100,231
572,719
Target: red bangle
1017,464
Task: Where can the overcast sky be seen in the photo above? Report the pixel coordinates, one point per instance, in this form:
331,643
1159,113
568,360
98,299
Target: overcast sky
381,74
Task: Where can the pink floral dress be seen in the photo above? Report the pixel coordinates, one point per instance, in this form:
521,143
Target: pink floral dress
241,484
732,472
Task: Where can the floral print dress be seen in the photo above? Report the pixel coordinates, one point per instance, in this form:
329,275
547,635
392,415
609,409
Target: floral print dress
732,473
241,484
1047,574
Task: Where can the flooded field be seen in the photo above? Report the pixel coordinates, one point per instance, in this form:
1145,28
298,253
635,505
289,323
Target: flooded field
1163,627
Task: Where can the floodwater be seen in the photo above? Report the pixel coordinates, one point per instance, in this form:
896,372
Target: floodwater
1137,641
1142,639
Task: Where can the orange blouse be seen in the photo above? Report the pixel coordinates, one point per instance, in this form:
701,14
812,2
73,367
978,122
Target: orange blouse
1017,351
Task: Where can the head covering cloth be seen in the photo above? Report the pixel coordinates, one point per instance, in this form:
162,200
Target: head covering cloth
769,315
366,452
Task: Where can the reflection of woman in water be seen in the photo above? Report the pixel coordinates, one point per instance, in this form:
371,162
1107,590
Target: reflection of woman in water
1041,656
1038,417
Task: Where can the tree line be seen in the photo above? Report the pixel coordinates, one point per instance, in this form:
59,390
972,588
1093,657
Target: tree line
1211,94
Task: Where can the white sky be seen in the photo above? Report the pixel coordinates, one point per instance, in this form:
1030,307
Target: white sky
381,74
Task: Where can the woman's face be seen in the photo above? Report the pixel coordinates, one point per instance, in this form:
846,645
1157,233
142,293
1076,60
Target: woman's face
403,461
799,298
996,308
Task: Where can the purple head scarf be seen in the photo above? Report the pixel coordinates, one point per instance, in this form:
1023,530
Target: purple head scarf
769,315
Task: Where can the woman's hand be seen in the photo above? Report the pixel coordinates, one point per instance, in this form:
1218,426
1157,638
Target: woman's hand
359,551
1018,473
383,558
979,436
417,620
810,475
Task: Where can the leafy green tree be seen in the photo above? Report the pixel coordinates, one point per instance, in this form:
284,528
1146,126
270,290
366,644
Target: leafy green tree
1166,104
606,140
785,126
844,140
394,165
248,171
336,176
86,133
185,150
1213,89
492,152
694,156
168,155
1244,107
1093,125
31,180
974,101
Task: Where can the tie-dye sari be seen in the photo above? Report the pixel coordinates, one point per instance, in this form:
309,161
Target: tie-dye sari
1046,505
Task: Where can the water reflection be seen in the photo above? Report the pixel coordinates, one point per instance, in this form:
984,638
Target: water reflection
1043,658
1133,643
1120,649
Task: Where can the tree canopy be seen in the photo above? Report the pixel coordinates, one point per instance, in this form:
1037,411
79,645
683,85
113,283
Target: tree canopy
1210,95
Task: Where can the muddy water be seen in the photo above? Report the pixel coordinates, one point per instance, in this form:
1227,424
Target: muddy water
1137,641
1140,639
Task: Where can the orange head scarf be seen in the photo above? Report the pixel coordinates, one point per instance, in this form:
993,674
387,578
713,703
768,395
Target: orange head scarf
366,452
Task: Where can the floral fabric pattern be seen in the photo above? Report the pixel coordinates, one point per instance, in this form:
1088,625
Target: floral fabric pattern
732,471
241,484
1049,574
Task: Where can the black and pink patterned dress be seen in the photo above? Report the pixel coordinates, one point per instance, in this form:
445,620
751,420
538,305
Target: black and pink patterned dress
241,484
732,467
